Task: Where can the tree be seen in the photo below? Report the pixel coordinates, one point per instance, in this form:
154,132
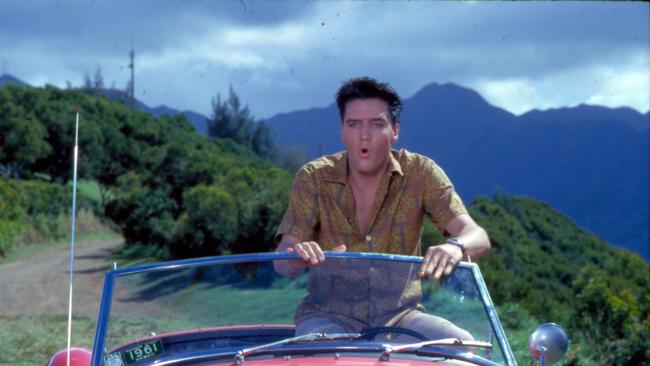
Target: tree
95,86
208,224
22,135
221,124
613,317
291,158
98,82
262,143
231,120
87,86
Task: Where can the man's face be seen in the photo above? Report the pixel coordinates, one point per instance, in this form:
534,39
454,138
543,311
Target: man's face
368,135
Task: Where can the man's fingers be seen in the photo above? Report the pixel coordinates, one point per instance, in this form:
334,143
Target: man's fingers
310,252
312,255
425,262
340,248
431,265
451,264
440,266
302,251
318,252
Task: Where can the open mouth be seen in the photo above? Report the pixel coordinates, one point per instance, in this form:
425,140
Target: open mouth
364,151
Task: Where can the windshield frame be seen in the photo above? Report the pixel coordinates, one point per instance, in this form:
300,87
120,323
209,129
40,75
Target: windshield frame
112,275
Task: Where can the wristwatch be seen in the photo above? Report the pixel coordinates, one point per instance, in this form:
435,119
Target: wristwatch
457,242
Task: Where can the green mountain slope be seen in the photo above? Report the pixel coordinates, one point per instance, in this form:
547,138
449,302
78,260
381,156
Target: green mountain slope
544,266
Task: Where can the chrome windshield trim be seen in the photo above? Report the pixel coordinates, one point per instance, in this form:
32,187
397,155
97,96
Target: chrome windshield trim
493,317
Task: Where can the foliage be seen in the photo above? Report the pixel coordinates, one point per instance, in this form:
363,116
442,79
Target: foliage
262,143
614,316
21,137
31,340
11,214
32,210
146,166
558,272
172,191
232,121
208,224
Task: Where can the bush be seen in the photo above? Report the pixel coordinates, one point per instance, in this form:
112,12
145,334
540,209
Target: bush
12,215
32,211
208,224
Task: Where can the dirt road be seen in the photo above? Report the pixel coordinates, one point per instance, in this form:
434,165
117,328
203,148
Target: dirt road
39,285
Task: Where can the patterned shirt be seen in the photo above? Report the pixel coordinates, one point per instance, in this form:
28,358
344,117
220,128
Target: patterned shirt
322,209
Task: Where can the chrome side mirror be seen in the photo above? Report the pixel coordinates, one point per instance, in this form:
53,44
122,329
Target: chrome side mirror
548,343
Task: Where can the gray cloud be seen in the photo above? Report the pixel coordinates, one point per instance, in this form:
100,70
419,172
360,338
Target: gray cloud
282,56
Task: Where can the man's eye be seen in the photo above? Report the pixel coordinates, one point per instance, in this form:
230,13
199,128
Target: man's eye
379,124
352,124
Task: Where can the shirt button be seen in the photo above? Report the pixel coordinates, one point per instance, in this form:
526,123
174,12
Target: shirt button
368,238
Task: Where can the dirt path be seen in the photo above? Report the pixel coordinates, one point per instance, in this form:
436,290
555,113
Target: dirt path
39,285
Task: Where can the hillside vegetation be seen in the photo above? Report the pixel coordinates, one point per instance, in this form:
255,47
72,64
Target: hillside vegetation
161,182
545,267
175,193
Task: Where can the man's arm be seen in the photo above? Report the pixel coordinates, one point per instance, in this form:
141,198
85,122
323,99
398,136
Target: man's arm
441,259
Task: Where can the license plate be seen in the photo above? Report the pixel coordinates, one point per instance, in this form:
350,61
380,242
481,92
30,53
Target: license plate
143,351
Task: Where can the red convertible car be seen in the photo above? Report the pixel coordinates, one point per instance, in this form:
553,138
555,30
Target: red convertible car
236,310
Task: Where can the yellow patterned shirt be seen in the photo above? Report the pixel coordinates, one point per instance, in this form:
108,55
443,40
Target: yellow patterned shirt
321,205
321,209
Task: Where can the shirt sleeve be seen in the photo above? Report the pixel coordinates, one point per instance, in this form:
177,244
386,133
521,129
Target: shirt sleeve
441,202
301,218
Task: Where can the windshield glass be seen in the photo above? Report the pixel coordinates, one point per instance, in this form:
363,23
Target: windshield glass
226,306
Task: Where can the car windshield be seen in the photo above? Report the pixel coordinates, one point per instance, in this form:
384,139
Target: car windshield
240,305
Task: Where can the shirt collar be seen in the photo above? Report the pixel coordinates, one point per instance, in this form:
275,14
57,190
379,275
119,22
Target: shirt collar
338,171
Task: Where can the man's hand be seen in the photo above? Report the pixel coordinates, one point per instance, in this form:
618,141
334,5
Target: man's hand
440,260
309,251
310,255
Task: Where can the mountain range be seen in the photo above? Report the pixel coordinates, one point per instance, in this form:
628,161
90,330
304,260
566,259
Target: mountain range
589,162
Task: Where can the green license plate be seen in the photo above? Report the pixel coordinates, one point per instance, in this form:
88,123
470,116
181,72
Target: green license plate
143,351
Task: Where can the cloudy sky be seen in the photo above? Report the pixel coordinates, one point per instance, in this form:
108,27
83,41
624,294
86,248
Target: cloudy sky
285,56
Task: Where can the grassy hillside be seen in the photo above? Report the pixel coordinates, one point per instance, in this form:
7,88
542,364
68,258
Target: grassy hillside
177,193
543,267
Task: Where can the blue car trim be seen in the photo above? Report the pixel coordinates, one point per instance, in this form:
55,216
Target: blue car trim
184,263
102,319
494,318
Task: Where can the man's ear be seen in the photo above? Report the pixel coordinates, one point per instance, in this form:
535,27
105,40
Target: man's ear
395,133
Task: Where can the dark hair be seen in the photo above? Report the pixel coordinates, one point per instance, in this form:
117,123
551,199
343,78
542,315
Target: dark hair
366,88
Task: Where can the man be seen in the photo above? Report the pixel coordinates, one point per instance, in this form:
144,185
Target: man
372,198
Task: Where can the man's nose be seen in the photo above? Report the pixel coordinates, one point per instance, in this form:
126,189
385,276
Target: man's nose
364,132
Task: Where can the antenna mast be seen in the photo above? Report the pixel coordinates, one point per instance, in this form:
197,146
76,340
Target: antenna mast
131,90
72,229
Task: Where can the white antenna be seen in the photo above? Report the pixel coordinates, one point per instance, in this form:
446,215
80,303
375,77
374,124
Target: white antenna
72,230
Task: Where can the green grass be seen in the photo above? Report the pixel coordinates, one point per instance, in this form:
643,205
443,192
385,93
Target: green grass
32,340
84,238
